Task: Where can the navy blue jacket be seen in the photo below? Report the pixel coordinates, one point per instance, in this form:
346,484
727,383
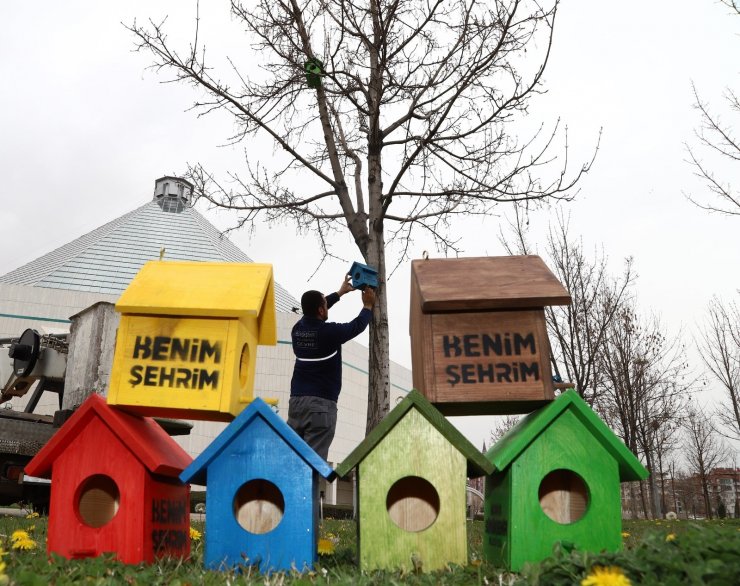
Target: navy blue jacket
317,345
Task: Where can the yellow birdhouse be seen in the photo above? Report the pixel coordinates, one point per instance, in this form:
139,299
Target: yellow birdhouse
187,341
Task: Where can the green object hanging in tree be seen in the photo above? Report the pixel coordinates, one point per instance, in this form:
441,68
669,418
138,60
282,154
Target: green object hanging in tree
314,69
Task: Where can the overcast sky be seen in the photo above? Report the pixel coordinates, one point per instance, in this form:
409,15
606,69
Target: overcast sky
85,130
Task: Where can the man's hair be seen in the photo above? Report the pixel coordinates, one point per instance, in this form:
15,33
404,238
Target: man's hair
311,301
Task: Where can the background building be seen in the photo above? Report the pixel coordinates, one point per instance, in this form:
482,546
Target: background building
99,265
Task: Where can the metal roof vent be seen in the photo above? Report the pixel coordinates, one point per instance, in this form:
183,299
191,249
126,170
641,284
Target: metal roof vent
173,194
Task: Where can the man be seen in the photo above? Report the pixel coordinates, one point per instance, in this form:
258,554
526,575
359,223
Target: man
317,375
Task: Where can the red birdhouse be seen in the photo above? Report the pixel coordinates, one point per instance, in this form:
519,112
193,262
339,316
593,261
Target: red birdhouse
115,487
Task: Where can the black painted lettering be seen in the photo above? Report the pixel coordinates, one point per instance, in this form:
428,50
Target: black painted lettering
532,369
160,348
453,377
194,345
179,349
166,377
468,373
451,345
471,345
183,377
485,371
150,376
135,375
207,350
208,379
492,344
524,342
503,373
142,347
507,344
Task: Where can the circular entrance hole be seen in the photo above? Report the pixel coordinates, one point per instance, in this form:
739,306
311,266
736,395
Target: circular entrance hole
412,503
99,500
563,496
244,366
259,506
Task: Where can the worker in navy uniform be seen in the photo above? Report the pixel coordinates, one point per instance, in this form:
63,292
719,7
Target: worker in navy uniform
317,375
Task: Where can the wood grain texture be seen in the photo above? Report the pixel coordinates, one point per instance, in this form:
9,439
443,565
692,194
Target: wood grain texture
142,436
477,463
204,289
258,453
103,499
496,357
514,442
195,368
413,448
483,283
518,528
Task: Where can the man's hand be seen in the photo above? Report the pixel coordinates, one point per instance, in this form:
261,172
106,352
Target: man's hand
346,286
368,297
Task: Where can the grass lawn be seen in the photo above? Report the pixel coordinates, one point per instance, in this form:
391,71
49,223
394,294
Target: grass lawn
656,552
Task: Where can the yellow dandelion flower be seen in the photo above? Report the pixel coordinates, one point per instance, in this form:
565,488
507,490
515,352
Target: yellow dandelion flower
24,544
195,535
670,537
606,576
326,547
19,534
625,534
33,515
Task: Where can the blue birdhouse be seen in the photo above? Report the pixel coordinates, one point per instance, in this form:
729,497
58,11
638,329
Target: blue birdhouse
262,496
363,276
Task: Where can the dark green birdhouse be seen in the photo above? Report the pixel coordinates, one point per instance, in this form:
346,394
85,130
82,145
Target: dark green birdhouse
314,69
557,479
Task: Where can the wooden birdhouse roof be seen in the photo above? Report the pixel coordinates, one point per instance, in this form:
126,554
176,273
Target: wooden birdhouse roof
204,289
142,436
478,465
197,472
484,283
518,438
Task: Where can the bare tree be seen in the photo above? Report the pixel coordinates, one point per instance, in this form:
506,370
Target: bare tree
578,331
644,391
719,346
704,450
388,117
717,145
502,426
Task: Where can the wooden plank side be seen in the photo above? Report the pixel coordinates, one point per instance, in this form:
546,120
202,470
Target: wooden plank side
206,289
414,448
491,356
479,283
421,339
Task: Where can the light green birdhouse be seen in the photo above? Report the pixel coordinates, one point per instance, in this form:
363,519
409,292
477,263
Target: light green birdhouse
411,476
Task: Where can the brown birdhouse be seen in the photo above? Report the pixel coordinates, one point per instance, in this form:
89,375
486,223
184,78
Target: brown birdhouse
478,337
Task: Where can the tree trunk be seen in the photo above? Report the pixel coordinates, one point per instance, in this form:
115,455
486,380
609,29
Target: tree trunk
705,493
378,403
645,509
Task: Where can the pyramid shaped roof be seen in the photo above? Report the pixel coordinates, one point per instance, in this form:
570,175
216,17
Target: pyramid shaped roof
519,437
143,436
106,259
478,465
197,471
